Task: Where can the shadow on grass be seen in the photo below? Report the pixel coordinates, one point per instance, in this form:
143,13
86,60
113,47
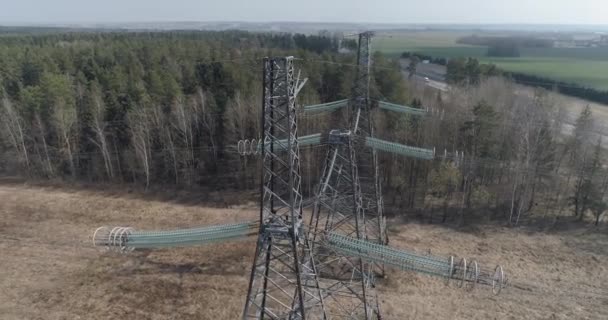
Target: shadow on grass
481,222
227,263
188,196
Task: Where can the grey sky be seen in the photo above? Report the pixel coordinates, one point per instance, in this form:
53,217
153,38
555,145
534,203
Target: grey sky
389,11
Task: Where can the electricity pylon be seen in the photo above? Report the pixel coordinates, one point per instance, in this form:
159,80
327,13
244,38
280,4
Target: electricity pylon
344,206
361,125
326,270
283,283
346,281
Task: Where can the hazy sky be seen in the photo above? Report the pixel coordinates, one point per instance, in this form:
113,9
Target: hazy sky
389,11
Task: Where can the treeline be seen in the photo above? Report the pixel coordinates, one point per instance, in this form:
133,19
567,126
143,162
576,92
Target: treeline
469,70
520,159
168,109
508,50
422,57
500,154
151,108
571,89
505,46
324,42
518,41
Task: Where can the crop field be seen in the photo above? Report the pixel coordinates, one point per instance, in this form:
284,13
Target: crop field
50,269
584,66
591,73
434,43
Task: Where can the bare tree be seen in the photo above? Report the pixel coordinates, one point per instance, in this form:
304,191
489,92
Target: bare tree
443,183
65,119
98,125
40,130
139,123
161,123
534,153
184,119
208,120
240,125
14,128
579,158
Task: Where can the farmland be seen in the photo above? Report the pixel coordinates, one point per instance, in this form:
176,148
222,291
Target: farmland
584,66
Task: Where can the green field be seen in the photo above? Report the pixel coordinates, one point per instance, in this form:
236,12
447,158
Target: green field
585,66
586,72
432,42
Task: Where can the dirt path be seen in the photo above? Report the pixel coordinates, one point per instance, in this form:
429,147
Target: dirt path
50,270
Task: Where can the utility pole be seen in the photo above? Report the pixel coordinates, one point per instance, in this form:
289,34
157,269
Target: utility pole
282,259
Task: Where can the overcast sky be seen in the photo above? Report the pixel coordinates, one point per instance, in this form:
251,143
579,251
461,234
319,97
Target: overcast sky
389,11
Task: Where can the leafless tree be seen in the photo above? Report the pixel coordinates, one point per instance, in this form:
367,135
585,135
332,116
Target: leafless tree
40,134
140,126
98,125
14,128
208,119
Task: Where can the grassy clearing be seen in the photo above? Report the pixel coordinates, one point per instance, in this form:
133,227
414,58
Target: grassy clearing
585,66
51,271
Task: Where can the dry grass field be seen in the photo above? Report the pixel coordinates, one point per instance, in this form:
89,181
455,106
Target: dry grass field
51,271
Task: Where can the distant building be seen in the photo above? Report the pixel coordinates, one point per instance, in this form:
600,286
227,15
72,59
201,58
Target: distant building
582,41
564,44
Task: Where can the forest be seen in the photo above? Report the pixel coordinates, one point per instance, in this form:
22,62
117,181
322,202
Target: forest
167,109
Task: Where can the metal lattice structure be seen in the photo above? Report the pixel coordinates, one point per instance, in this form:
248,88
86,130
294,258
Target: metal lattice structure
347,281
283,261
326,269
345,205
361,125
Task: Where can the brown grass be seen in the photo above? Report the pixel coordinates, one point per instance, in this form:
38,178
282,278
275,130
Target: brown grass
51,271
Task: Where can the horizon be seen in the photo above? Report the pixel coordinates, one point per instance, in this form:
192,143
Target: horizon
298,21
538,27
515,12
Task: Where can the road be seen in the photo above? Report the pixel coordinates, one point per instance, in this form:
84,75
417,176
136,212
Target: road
434,72
437,85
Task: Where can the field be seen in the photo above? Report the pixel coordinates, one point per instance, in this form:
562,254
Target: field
434,43
51,271
585,66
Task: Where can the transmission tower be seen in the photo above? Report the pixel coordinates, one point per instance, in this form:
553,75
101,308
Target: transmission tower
343,207
346,281
326,269
283,261
361,125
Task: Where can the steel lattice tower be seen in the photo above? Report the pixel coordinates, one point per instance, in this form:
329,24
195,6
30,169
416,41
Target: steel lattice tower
283,283
347,282
361,125
342,205
326,270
